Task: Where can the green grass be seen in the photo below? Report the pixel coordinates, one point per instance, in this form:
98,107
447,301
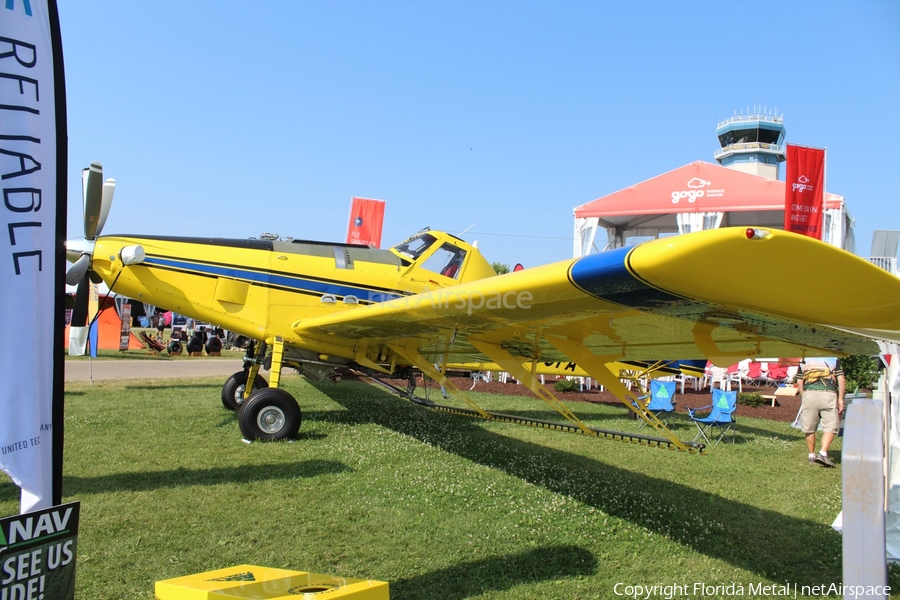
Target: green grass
440,506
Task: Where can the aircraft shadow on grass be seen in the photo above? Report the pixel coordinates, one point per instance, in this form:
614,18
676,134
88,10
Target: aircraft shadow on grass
152,480
474,578
790,548
679,424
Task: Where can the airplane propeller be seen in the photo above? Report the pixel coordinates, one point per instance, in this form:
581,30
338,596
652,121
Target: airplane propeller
79,268
98,196
96,200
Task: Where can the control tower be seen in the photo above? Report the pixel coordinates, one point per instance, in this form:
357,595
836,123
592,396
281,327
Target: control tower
752,143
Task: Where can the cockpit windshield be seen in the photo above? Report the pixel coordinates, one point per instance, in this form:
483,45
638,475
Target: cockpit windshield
414,247
446,260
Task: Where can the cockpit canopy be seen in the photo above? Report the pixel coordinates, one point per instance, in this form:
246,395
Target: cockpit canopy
445,255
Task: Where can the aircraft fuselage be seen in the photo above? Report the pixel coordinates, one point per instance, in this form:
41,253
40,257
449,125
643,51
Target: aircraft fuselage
259,287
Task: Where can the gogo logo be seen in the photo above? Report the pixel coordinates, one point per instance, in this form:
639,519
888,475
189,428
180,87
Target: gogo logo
803,185
693,193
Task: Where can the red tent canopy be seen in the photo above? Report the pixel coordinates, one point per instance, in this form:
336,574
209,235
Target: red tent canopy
698,187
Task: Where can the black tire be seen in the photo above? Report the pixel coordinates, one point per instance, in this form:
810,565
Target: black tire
195,344
213,344
233,389
269,415
174,347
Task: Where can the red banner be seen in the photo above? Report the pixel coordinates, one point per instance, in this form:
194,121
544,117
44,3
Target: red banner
804,191
366,219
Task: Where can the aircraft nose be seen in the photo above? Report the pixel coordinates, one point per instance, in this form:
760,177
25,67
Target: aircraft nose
106,255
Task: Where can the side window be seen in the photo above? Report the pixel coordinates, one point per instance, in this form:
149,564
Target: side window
447,261
416,246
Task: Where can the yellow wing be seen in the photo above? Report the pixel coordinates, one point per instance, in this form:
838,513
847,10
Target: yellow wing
689,297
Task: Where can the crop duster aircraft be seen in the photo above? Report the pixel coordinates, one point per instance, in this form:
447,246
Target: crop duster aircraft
433,301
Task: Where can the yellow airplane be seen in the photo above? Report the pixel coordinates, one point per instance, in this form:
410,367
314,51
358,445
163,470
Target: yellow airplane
433,302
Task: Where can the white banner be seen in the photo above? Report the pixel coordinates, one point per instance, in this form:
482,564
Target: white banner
28,258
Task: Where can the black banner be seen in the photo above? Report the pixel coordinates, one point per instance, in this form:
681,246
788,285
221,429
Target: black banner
37,554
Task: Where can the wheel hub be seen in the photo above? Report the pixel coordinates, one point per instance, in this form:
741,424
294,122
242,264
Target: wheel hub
271,420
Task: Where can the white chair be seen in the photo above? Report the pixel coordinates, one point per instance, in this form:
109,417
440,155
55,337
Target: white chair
707,376
791,373
697,383
735,377
737,374
680,380
718,375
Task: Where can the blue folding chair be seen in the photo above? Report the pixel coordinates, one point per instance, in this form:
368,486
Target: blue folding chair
662,401
720,418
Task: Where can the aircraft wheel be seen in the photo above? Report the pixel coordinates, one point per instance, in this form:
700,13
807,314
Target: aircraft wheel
195,344
174,347
213,344
268,415
233,389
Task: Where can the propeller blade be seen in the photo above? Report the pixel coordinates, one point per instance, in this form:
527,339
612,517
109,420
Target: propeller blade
109,188
92,180
76,247
76,272
80,309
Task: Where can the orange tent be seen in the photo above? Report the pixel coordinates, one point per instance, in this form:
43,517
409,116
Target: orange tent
109,328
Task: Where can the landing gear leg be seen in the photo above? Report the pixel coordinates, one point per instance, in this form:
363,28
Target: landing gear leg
239,386
269,414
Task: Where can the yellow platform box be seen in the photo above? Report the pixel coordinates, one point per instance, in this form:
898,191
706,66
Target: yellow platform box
264,583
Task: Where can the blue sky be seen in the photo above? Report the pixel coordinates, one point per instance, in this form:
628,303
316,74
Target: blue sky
228,119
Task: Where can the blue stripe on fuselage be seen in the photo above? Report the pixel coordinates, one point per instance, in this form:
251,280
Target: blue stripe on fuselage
606,276
267,278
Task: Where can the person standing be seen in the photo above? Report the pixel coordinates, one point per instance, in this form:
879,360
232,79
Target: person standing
821,384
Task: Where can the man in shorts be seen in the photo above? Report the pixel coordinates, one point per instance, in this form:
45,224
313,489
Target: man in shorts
821,383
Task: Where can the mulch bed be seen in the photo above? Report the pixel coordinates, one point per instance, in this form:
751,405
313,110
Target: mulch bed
785,408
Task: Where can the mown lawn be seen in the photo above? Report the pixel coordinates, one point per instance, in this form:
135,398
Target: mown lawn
440,506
